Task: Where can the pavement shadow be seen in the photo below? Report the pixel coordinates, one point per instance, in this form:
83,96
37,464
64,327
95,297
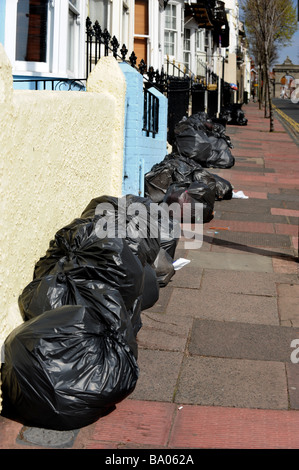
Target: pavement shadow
250,249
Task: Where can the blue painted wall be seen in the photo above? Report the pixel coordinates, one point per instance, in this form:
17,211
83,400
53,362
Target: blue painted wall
140,152
2,21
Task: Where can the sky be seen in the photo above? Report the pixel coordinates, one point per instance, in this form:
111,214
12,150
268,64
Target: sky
291,51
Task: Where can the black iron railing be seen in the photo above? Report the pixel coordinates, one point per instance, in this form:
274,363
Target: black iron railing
150,113
52,84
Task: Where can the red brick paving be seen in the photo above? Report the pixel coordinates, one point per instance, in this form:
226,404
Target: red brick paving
284,229
136,424
235,428
9,431
256,194
286,212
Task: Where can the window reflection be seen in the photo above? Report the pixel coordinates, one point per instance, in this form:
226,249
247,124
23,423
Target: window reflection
31,40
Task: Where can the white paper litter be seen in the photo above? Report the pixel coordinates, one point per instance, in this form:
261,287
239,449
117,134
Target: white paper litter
239,195
180,263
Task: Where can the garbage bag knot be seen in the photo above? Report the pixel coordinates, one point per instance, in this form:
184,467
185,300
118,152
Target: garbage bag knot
61,278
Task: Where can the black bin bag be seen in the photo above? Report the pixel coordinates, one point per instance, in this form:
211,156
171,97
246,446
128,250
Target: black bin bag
77,264
68,367
163,266
188,195
224,189
221,155
122,212
192,143
158,180
174,168
151,289
76,354
55,290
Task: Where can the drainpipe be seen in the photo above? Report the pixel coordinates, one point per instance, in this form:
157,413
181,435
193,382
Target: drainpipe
219,79
141,178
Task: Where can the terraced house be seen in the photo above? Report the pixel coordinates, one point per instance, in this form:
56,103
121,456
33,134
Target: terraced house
46,39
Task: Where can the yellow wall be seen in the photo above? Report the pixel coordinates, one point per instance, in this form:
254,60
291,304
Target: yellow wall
230,69
58,150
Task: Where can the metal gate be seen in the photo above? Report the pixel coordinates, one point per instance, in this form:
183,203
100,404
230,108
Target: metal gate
198,97
178,92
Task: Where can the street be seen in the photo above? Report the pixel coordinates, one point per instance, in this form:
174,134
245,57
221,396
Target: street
288,113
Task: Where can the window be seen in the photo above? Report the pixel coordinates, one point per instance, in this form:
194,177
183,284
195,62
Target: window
73,35
170,30
31,30
187,48
98,11
200,39
207,40
141,29
125,24
44,37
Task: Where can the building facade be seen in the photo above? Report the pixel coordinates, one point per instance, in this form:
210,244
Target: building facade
46,39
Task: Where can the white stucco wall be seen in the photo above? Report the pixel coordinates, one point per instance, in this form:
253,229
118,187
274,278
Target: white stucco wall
58,150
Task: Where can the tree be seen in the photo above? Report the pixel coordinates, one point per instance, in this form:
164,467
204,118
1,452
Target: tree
269,23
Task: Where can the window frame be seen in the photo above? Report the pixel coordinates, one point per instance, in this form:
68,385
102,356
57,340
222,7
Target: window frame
56,64
76,38
186,51
171,30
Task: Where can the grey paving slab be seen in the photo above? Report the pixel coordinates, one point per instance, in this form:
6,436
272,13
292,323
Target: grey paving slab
288,197
185,246
282,253
249,146
252,239
224,306
161,305
293,220
293,380
164,332
256,160
251,217
289,191
46,437
158,375
241,340
252,169
288,290
231,261
232,382
188,276
255,206
288,305
240,282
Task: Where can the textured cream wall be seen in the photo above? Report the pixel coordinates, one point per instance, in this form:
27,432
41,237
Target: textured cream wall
58,150
230,69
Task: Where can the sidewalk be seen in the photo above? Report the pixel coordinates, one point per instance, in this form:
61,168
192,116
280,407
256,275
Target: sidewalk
215,355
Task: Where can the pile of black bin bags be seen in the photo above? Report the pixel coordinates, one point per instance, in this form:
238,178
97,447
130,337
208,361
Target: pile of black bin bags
234,114
75,356
203,140
183,177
